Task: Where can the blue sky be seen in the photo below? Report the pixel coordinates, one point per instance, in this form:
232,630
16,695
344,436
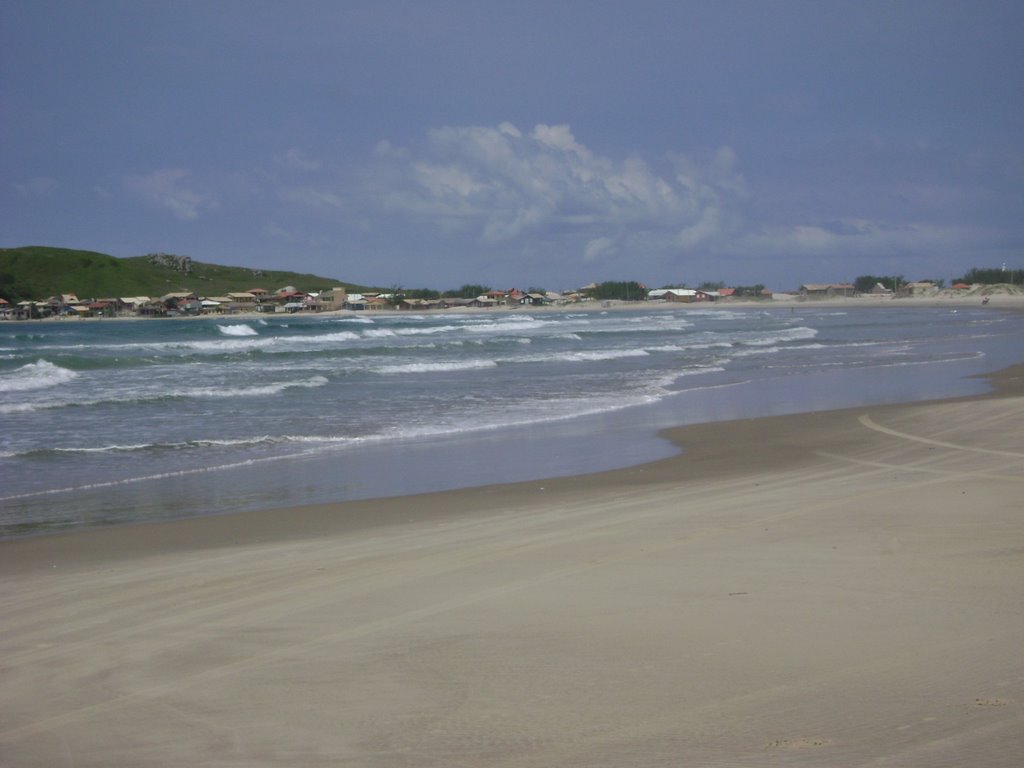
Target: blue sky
544,144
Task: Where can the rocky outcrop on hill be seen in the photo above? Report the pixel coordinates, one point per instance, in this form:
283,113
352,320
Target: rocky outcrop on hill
182,264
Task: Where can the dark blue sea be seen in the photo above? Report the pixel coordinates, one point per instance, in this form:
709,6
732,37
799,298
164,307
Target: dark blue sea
111,421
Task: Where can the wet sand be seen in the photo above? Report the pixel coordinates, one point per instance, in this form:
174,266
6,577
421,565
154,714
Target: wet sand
839,588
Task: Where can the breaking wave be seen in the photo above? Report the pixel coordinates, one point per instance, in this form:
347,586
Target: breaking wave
38,375
462,365
237,330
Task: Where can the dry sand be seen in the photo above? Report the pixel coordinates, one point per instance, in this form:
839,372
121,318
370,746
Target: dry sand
831,589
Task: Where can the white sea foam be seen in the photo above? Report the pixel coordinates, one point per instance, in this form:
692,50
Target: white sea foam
577,356
666,348
225,345
756,351
523,324
21,407
241,442
181,393
361,319
384,333
799,333
38,375
442,366
321,338
255,391
237,330
595,355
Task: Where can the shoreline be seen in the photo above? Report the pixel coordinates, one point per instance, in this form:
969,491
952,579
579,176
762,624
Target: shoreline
699,453
272,501
1012,301
830,588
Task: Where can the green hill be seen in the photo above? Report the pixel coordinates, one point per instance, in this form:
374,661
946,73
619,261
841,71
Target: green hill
38,272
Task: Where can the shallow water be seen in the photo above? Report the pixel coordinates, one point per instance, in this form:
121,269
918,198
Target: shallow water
116,421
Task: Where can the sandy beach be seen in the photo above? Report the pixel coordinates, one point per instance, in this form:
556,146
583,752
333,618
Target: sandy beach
830,589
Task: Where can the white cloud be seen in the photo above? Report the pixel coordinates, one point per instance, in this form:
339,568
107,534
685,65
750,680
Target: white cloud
509,129
504,185
597,248
165,187
297,160
385,148
313,197
447,182
38,186
848,237
707,226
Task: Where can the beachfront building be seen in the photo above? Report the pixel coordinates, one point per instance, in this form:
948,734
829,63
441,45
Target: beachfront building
677,295
285,300
534,300
919,288
827,290
151,308
99,308
175,297
355,302
130,305
418,304
331,299
242,302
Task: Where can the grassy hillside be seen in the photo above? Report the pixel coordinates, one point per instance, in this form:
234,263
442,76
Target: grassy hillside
37,272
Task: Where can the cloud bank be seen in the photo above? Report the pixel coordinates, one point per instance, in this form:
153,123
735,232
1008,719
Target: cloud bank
502,186
497,203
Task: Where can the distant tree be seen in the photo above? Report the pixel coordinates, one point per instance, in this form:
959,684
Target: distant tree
620,291
865,283
990,276
468,291
7,290
711,286
535,289
420,293
749,291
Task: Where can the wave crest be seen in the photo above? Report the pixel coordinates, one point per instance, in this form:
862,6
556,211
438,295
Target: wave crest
37,375
237,330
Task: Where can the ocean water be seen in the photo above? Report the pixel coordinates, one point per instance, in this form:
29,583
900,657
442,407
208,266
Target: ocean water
113,421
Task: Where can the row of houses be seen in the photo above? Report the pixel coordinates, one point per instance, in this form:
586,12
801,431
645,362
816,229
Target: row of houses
833,290
290,300
286,300
807,291
169,305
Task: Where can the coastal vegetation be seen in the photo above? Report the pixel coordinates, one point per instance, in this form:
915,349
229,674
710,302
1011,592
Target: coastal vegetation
35,272
865,283
629,290
993,276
